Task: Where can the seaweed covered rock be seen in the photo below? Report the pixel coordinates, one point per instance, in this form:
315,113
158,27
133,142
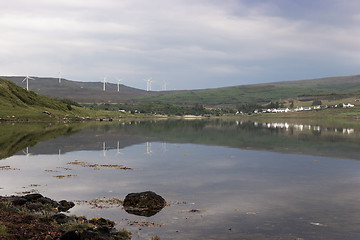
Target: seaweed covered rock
144,203
19,221
65,205
37,202
97,229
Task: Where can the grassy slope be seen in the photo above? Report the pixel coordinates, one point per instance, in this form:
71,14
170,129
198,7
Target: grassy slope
85,92
90,92
325,88
18,103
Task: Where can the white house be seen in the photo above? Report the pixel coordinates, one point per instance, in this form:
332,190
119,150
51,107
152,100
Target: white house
299,109
283,110
347,105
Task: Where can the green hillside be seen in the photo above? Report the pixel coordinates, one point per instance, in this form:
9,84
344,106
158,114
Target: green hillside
332,88
84,92
16,103
325,88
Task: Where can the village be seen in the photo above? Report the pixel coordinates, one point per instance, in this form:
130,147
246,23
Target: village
298,109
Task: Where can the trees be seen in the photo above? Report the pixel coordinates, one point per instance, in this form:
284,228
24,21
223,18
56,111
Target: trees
316,102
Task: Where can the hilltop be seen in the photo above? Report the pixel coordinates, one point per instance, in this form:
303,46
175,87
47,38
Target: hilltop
19,104
331,88
84,92
17,101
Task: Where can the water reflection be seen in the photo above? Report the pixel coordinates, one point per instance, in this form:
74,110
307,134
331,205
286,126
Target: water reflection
222,179
286,137
300,127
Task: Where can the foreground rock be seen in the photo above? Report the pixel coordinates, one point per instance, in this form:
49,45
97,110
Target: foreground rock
144,203
99,229
36,202
34,216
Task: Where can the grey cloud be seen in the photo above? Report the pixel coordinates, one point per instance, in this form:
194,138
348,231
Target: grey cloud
189,44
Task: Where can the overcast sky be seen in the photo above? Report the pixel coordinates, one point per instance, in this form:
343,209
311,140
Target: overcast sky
187,44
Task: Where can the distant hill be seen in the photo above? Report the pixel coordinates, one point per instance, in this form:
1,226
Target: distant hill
84,92
90,92
17,103
324,88
12,96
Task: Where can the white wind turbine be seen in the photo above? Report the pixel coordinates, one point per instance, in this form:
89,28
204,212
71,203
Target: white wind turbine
104,149
118,148
59,77
27,78
148,84
26,152
118,84
104,87
148,148
164,85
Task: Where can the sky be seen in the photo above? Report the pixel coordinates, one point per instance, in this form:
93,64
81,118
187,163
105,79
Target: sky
180,44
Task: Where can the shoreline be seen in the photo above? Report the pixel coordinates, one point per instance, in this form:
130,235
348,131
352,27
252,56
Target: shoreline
34,216
352,115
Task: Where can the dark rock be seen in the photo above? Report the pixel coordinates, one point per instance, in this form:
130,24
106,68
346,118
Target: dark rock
104,230
17,201
71,235
144,203
46,200
82,235
34,206
33,197
65,205
61,218
102,222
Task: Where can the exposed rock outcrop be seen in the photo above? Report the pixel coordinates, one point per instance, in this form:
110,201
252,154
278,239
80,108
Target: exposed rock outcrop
144,203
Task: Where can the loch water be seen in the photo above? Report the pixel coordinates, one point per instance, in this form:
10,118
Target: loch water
221,179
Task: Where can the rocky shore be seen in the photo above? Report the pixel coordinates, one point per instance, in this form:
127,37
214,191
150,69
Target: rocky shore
34,216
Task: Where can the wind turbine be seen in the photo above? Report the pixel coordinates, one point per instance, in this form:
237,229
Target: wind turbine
26,152
59,77
118,148
148,148
104,87
164,85
104,149
118,84
148,84
27,81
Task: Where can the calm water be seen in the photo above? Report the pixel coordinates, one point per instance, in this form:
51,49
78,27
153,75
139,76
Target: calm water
222,180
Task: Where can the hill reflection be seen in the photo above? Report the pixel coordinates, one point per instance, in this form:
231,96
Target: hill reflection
341,142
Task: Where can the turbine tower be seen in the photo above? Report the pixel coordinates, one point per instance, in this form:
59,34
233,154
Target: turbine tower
118,84
118,148
164,85
104,87
59,77
27,81
148,84
104,149
148,148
